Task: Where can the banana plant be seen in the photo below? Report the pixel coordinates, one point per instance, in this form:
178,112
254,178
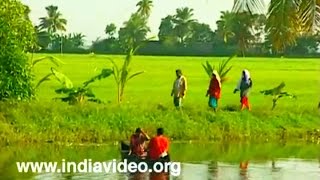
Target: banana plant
277,93
222,69
55,61
80,94
122,74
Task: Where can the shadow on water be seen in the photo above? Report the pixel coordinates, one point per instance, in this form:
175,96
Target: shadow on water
208,161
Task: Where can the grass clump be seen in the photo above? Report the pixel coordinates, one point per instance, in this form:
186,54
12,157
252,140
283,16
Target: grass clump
58,122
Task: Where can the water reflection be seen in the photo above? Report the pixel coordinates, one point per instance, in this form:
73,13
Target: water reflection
243,168
199,161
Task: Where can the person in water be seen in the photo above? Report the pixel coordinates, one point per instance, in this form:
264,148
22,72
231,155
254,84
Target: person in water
159,146
244,85
137,143
214,90
179,88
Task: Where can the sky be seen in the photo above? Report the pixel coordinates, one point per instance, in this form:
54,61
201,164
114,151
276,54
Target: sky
90,17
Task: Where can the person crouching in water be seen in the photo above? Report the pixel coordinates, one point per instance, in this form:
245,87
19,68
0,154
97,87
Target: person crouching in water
214,91
244,86
179,88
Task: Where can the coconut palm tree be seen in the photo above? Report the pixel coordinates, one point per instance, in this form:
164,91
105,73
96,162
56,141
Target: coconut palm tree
144,7
183,20
77,39
53,22
225,23
241,28
286,19
134,31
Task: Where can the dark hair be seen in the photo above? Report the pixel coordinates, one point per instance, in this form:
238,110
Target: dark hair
160,131
179,71
138,130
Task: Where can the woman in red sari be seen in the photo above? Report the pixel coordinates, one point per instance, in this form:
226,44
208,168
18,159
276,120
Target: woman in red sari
214,91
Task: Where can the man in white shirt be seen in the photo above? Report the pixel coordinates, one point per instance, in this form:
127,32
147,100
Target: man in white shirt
179,88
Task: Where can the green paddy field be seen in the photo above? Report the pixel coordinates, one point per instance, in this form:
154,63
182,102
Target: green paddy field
148,104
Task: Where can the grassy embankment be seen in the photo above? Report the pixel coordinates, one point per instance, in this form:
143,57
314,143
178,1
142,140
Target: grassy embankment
148,103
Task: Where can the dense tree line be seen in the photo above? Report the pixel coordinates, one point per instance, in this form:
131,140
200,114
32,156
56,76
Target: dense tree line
290,27
245,32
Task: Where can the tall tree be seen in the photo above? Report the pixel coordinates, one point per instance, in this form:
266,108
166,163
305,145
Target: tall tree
225,25
110,30
201,33
283,32
166,30
183,20
43,37
144,7
286,18
134,32
242,29
53,22
16,38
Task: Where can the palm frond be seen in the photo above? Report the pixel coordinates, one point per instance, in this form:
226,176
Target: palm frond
309,12
222,69
251,6
224,73
208,68
282,23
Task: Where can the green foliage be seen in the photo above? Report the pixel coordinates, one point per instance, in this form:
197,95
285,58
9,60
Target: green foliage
77,95
110,30
52,59
43,38
305,44
134,32
201,33
122,74
16,37
277,93
104,74
183,20
182,28
144,7
296,16
53,22
67,42
58,122
239,29
223,68
55,61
